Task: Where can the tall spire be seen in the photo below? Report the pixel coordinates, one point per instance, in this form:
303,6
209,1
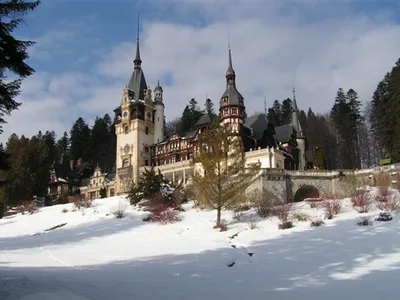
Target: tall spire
137,61
230,73
295,108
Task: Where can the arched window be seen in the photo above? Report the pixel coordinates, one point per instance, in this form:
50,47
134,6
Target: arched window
125,163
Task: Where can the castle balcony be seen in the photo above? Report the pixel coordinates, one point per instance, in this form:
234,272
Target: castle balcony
125,171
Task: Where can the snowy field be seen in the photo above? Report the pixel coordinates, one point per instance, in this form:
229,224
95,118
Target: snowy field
95,256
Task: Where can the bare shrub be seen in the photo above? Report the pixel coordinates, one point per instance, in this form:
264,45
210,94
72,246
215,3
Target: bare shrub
285,225
382,180
387,201
365,221
362,201
317,223
263,202
119,210
301,217
314,203
282,212
28,207
80,202
223,226
64,210
332,208
252,224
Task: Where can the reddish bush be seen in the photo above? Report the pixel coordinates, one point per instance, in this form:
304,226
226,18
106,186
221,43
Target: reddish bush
163,211
332,207
164,214
361,201
387,203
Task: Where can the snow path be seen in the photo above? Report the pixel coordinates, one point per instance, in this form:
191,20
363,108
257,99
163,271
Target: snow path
101,258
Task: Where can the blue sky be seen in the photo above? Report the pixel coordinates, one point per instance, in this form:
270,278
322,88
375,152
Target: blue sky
84,52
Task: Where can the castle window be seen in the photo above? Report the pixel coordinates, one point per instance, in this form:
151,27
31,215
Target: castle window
146,149
158,119
146,162
126,129
146,130
226,111
234,111
148,115
125,163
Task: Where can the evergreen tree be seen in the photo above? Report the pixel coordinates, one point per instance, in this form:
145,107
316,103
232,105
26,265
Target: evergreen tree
100,146
195,112
186,121
13,53
209,107
286,109
275,114
79,140
62,145
224,176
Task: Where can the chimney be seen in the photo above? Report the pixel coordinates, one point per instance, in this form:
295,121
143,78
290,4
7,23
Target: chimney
79,161
71,164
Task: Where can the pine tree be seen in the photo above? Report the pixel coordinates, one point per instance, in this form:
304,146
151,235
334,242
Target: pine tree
287,109
209,107
224,176
150,184
79,139
13,53
186,120
62,145
274,114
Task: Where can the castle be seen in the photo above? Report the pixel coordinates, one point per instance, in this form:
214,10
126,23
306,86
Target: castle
139,128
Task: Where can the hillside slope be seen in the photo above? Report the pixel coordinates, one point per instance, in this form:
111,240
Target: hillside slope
95,256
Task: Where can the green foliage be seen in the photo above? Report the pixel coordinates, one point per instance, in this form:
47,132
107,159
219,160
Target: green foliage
224,176
191,114
80,137
347,120
150,184
13,54
385,109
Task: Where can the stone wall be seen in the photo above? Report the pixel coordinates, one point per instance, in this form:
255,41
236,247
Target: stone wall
340,183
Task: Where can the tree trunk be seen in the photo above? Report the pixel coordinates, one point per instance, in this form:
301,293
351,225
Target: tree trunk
218,216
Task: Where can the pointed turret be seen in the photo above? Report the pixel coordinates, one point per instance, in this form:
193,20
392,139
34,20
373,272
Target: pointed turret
231,106
295,117
137,84
231,96
137,62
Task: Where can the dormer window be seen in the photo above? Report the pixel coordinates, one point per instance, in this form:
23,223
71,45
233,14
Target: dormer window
225,100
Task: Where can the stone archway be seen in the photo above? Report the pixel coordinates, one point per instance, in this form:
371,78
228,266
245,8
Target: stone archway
306,191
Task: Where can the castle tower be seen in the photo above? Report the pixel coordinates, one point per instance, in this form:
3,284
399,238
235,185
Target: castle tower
158,114
300,137
232,109
134,127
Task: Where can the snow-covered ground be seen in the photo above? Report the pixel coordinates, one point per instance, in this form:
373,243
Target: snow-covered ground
95,256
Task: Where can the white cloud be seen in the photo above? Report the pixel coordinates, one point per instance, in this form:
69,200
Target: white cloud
271,49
